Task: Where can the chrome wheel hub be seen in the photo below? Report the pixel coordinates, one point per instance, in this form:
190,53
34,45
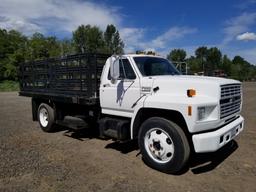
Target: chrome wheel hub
159,145
43,117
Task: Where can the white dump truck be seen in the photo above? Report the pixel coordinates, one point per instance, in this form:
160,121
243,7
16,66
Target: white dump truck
140,97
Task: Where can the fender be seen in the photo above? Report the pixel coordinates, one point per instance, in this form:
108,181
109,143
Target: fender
176,103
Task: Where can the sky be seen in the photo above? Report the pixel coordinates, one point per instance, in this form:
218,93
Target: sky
159,25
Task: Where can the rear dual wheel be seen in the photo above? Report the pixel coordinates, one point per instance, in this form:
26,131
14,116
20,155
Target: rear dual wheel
163,145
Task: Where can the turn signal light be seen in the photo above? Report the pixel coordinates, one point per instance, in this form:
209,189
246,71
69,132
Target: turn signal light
189,110
191,92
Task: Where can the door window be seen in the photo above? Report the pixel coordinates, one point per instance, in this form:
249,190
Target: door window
126,71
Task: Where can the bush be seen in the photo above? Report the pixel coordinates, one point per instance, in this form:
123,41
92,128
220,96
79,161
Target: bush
8,85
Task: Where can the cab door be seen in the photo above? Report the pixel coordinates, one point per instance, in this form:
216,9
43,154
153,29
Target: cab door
118,98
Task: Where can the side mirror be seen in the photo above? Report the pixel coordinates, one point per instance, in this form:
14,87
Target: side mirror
114,69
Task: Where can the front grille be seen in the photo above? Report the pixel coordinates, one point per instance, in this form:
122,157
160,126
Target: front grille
230,100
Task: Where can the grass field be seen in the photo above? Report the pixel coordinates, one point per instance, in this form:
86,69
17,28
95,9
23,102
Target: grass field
8,85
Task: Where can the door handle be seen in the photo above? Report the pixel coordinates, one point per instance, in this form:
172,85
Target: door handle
106,85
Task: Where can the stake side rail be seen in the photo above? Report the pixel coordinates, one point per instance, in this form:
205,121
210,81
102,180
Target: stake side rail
72,79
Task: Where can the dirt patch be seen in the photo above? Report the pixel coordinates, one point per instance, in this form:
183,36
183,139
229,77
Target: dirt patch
31,160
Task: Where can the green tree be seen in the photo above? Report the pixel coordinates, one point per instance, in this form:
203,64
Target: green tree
177,55
53,46
226,65
194,65
237,60
41,47
3,51
241,68
3,43
67,47
118,47
201,55
113,42
16,48
37,48
213,60
12,52
88,39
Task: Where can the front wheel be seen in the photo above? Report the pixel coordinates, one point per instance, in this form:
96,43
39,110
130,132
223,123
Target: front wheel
163,145
45,115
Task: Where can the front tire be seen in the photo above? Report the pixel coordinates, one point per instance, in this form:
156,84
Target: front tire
163,145
46,118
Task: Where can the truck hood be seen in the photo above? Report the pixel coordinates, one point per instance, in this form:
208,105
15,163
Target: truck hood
195,79
179,84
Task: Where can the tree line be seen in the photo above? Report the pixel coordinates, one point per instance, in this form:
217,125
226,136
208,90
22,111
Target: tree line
210,60
17,48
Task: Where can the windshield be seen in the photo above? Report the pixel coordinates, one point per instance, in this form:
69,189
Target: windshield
151,66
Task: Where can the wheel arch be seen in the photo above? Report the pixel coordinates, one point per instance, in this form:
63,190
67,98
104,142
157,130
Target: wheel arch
172,115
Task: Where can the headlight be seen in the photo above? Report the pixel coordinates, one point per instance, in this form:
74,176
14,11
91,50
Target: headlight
207,113
201,113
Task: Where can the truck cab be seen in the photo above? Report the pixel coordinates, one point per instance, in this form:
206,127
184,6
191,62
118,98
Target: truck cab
153,94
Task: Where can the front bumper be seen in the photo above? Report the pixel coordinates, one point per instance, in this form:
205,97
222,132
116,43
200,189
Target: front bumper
212,141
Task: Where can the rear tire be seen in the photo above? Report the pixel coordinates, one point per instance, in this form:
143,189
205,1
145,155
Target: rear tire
46,117
163,145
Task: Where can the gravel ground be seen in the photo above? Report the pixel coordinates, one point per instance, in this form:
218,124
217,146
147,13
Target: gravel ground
31,160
